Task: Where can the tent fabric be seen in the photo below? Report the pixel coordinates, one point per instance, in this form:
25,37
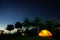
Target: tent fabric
45,33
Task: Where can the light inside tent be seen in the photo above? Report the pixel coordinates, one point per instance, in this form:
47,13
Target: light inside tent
45,33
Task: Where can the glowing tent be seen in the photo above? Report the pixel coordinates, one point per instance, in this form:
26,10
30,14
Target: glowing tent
45,33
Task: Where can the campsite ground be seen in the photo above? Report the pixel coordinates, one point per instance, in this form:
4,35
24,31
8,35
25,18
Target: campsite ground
26,38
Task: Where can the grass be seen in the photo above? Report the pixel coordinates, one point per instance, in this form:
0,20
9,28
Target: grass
26,38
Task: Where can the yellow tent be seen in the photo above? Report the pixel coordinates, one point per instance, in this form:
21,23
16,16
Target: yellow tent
44,33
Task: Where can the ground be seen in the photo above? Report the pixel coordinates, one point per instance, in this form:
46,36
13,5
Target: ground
26,38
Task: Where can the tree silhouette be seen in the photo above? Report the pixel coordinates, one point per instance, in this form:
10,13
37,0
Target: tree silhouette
33,32
42,26
26,23
18,25
57,32
36,22
18,33
47,23
10,27
51,24
2,32
27,32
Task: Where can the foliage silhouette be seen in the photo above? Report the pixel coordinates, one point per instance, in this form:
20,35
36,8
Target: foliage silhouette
33,32
27,32
9,27
18,33
36,22
18,25
26,23
51,24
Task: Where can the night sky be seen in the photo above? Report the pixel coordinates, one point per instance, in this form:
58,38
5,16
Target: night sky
12,11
